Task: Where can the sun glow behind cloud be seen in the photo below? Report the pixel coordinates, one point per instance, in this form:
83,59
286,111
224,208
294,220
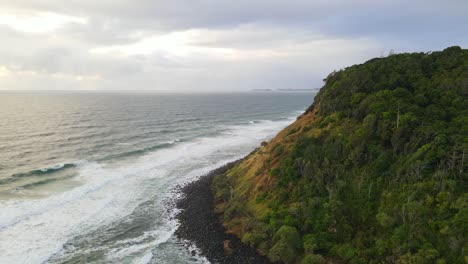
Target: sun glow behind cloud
177,43
39,22
187,43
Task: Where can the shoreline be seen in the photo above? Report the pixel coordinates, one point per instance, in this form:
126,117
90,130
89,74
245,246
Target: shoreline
201,226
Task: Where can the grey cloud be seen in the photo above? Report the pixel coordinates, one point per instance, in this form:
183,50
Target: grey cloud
47,55
307,39
182,14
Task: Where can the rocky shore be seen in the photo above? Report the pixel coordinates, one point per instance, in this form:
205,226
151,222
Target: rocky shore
200,225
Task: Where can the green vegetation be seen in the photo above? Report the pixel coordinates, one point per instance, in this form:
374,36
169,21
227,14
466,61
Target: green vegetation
373,172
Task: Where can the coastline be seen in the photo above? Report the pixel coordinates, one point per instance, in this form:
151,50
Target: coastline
201,225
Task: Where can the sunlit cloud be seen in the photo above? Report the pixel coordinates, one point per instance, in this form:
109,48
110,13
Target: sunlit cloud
38,22
9,72
185,44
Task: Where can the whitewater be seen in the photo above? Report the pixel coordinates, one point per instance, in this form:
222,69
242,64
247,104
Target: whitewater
82,191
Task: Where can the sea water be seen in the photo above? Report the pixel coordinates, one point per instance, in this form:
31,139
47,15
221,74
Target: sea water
91,177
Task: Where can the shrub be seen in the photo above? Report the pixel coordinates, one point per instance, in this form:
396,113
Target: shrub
278,150
313,259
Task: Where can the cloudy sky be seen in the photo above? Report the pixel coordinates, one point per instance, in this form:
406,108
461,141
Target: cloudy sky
210,45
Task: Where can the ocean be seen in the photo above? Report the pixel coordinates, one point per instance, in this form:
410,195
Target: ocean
90,177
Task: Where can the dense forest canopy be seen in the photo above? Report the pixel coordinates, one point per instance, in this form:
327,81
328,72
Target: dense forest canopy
373,172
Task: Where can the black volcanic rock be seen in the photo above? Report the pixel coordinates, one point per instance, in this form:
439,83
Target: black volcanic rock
200,225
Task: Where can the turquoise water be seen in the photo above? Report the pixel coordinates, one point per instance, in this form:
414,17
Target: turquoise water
89,177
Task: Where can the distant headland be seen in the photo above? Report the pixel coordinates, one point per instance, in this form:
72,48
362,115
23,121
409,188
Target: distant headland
286,90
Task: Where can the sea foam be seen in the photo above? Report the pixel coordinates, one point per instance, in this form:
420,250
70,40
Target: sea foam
34,231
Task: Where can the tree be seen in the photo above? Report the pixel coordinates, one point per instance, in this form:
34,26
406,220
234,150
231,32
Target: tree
287,243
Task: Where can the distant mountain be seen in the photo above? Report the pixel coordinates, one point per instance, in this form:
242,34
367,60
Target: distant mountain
373,172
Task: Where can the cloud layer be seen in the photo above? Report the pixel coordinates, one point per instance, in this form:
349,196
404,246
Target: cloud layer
209,45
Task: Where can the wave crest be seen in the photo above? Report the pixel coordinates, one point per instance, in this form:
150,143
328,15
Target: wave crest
39,172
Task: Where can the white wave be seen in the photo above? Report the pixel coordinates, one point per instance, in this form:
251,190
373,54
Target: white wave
31,231
170,142
145,259
55,167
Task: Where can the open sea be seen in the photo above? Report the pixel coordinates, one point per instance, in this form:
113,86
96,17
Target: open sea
89,177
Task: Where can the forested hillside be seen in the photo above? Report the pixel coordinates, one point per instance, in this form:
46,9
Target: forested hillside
373,172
